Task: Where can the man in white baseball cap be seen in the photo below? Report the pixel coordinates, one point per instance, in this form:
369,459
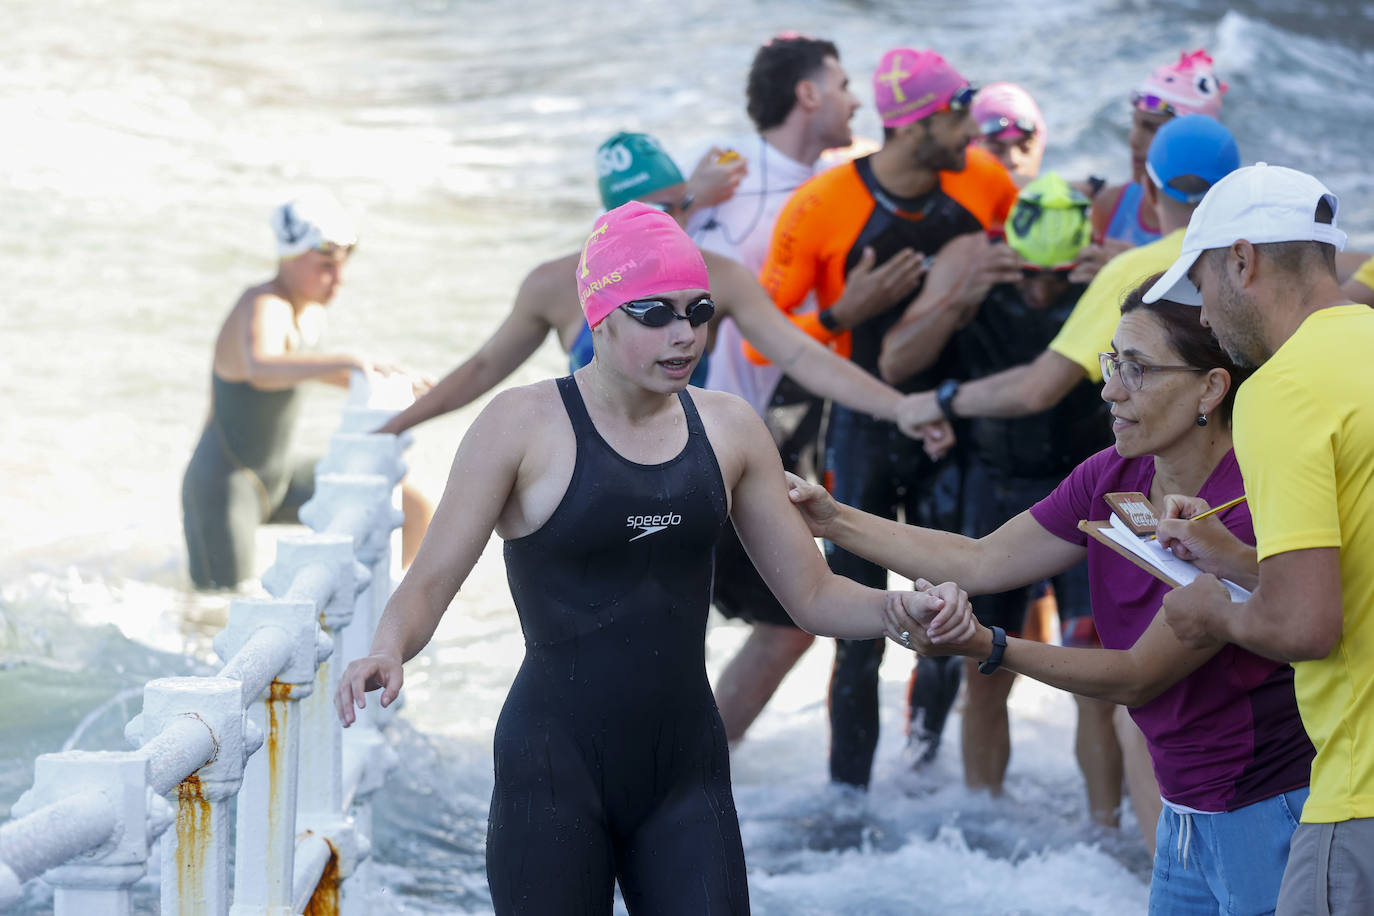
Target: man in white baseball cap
1259,257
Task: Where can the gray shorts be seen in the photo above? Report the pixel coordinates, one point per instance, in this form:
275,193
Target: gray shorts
1330,870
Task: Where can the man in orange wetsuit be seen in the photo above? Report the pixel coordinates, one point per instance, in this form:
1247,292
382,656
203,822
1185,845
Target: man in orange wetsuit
924,187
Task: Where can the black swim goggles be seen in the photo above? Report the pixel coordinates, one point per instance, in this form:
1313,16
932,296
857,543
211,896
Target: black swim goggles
656,313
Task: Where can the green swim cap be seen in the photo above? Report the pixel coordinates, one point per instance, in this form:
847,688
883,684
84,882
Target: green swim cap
629,166
1049,224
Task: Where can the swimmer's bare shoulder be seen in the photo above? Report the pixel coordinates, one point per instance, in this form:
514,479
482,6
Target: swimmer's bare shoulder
549,292
737,434
522,451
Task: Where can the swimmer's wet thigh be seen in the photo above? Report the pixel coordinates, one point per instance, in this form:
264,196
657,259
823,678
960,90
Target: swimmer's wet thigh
548,848
220,514
687,857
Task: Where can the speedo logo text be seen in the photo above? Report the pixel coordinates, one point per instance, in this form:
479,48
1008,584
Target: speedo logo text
651,524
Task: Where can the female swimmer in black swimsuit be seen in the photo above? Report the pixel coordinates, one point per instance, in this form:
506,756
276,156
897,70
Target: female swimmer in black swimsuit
610,487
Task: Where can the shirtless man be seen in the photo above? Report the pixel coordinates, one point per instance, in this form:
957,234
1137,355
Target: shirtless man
610,488
241,474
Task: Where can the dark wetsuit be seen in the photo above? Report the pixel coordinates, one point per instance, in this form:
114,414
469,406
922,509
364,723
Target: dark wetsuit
1011,464
240,477
611,760
820,235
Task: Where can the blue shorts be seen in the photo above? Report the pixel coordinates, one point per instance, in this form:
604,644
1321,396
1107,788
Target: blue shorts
1223,863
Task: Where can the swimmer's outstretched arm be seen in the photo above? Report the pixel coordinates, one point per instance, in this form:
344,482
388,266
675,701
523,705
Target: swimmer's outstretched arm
1016,554
785,554
480,483
513,342
821,371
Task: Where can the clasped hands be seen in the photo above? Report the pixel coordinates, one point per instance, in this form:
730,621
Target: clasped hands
931,619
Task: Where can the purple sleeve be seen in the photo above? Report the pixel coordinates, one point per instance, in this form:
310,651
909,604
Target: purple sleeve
1070,502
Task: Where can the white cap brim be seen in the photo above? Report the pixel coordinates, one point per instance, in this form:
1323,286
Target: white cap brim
1175,285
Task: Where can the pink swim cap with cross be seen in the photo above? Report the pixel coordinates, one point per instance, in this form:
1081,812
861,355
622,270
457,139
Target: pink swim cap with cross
635,252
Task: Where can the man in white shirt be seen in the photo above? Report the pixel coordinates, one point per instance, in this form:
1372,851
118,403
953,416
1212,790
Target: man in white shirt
801,105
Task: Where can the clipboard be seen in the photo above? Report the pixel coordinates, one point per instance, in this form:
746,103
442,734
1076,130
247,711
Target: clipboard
1170,570
1094,531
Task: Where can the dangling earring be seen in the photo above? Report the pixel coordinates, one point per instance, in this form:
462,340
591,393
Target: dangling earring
1202,419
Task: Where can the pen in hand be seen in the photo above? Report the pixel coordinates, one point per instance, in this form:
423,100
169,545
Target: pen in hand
1210,512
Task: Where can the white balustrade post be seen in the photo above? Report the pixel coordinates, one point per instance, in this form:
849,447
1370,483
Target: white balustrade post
358,505
264,858
373,453
322,566
368,408
117,805
195,856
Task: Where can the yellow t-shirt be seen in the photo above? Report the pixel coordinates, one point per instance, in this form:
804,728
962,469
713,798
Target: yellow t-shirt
1304,437
1365,274
1089,328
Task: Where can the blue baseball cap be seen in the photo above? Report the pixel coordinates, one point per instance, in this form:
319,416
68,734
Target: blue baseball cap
1192,144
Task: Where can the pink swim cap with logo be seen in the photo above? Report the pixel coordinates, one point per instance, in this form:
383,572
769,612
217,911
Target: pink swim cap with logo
1188,86
635,252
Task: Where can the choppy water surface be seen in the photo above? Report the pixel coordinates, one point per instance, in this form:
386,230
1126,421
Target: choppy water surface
147,141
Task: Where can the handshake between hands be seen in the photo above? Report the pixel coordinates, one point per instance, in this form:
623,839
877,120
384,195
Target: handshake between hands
933,620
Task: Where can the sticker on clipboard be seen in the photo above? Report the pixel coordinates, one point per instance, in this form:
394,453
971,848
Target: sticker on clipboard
1135,510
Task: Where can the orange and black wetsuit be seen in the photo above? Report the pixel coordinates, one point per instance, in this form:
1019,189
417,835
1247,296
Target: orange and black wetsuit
820,235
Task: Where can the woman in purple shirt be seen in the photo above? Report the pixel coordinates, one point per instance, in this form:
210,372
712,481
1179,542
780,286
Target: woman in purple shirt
1228,747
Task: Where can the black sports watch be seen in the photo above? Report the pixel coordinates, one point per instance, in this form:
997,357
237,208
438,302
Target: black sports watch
999,646
827,320
944,398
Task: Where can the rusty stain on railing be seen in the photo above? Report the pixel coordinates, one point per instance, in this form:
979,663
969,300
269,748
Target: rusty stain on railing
193,837
278,694
325,900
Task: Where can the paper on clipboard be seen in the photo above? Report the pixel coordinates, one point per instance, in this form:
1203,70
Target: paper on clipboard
1180,571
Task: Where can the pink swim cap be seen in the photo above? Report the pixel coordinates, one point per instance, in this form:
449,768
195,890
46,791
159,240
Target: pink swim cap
910,85
1010,101
1186,87
635,252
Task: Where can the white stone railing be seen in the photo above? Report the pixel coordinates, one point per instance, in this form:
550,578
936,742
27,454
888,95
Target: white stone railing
262,732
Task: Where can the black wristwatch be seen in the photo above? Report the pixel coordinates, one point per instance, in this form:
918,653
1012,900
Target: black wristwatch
999,646
828,321
944,398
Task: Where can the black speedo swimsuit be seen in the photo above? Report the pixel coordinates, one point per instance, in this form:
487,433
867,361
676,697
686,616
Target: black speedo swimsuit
611,760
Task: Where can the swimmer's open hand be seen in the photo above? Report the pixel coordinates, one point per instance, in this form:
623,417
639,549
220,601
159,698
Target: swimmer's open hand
371,672
1094,257
714,181
815,504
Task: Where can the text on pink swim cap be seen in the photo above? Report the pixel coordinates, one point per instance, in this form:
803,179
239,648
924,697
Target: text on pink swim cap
635,252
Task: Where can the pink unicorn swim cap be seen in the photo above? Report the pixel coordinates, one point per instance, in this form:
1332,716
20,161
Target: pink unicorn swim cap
635,252
1186,87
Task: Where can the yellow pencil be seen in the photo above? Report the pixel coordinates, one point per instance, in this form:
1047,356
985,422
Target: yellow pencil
1226,505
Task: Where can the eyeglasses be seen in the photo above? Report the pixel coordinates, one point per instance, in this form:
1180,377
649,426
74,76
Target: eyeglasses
655,313
991,127
961,99
1132,372
1149,102
334,249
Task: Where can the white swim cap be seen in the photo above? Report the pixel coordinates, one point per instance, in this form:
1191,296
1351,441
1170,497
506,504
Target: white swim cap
310,220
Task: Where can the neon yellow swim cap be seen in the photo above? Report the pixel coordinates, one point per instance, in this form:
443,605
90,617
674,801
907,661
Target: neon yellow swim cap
1049,224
